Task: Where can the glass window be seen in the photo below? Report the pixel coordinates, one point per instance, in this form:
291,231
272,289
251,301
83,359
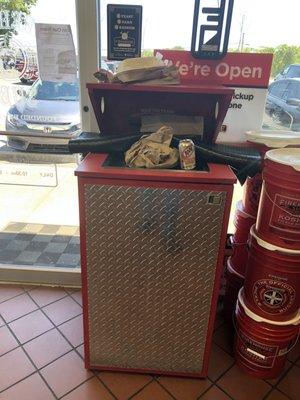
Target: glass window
278,88
294,71
38,202
294,90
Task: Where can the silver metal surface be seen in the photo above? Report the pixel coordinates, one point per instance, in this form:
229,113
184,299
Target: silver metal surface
151,259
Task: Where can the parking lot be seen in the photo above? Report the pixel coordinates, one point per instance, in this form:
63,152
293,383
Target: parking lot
36,203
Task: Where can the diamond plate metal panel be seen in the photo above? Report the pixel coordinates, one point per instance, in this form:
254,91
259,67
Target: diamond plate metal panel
151,259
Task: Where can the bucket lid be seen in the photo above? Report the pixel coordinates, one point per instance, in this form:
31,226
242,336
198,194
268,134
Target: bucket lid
289,156
274,139
257,318
270,246
242,213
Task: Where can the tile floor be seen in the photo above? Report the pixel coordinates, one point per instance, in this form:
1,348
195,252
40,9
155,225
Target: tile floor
41,358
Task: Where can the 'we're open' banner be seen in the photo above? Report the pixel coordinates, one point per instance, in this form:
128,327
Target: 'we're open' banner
247,73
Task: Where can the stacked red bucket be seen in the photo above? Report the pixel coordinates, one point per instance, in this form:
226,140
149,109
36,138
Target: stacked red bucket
246,215
268,307
236,264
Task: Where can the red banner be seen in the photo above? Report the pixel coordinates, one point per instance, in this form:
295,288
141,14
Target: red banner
235,69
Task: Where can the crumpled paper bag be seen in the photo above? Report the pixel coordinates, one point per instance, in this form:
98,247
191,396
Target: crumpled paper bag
153,151
149,70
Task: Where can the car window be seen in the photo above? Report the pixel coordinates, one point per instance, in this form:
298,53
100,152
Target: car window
278,88
285,71
294,71
54,91
294,90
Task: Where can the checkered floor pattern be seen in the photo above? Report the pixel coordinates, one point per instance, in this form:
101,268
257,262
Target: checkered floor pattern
41,358
40,245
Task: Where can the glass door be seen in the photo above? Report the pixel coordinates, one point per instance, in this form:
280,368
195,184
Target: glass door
39,227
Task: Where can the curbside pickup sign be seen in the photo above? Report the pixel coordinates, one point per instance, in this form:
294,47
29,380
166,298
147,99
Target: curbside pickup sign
247,73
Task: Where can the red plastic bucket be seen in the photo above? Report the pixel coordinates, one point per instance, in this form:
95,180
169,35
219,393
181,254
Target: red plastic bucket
239,257
261,345
278,220
251,194
234,282
272,280
264,141
242,223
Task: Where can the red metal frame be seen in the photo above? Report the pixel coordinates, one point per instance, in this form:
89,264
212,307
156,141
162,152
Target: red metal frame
118,107
219,178
92,168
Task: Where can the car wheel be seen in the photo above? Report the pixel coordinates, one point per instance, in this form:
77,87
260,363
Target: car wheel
277,117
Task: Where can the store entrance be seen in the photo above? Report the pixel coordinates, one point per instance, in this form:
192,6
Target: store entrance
38,202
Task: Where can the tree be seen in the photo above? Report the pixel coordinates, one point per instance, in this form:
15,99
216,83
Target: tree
283,55
12,14
147,53
177,48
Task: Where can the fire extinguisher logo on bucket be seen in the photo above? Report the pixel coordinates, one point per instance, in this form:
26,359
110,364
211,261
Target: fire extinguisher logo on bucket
273,296
285,213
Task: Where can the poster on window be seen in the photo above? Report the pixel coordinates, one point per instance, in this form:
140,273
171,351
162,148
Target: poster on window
56,53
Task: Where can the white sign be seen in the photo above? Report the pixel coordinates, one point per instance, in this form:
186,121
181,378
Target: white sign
28,174
245,113
56,53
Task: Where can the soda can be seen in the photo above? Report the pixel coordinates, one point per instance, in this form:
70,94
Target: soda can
187,154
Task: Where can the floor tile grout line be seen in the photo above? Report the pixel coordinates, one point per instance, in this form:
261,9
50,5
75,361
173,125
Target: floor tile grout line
76,387
41,334
223,373
62,323
70,295
280,378
46,305
217,386
19,381
160,384
46,365
35,337
268,393
33,364
57,327
104,384
281,391
147,384
38,307
13,297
